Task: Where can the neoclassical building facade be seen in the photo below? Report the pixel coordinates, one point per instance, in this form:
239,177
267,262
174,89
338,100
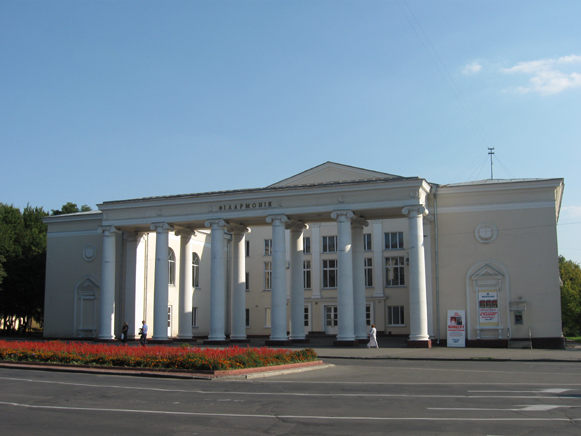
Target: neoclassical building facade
330,251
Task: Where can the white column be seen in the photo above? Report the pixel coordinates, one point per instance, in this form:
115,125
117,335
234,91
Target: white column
107,306
417,275
134,269
238,281
345,275
378,262
278,293
218,281
160,290
358,278
185,284
297,297
316,260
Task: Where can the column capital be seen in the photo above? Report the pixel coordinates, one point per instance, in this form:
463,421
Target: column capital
342,214
133,236
359,222
237,228
281,218
216,222
414,211
184,232
158,227
108,230
296,225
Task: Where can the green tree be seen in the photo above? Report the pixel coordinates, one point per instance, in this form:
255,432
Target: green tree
23,250
570,273
70,208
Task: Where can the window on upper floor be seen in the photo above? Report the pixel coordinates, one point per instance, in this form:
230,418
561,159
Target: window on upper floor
367,242
268,247
306,245
195,270
394,271
171,260
394,240
329,244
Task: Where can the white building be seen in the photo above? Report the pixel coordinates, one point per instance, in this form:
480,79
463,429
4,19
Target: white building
330,250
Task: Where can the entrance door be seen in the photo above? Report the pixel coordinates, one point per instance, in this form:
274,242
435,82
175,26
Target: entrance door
307,319
331,320
169,321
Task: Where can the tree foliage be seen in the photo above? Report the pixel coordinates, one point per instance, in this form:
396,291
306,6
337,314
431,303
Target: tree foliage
70,208
570,273
23,265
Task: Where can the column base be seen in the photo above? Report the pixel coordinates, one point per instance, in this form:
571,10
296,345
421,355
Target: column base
160,341
419,344
347,343
216,342
277,342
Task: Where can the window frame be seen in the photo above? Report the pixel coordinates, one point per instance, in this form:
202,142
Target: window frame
400,315
267,276
195,270
329,273
171,261
368,271
400,281
268,247
388,241
329,244
307,275
367,242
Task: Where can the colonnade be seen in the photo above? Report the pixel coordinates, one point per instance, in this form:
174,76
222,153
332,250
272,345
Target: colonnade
350,290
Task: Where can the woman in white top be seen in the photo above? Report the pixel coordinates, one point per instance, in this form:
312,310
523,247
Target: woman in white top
372,337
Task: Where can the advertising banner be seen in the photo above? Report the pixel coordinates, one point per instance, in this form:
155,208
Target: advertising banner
456,328
488,308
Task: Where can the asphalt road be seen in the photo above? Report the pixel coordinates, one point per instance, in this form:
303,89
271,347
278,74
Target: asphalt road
356,397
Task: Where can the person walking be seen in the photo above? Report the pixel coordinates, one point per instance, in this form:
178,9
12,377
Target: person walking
372,337
143,332
124,331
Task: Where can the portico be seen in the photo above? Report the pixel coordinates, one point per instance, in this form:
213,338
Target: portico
285,207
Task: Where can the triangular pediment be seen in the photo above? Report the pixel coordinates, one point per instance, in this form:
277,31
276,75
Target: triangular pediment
330,172
487,272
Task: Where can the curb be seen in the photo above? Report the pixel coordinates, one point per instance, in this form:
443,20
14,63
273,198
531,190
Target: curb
457,359
240,374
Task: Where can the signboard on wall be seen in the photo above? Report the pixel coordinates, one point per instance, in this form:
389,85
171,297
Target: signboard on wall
488,308
456,328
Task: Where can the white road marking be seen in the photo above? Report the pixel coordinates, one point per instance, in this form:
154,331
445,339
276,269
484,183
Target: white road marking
544,391
286,394
529,408
242,415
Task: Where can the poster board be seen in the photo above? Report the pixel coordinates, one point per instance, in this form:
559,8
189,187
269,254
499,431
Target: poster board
456,328
488,308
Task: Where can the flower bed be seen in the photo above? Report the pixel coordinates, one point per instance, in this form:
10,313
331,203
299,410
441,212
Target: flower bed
184,358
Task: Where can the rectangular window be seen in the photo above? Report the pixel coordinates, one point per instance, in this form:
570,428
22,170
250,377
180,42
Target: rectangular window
247,281
394,241
306,245
247,318
395,315
394,271
331,316
329,244
306,316
368,314
307,274
368,272
267,317
268,247
267,276
329,273
194,317
367,242
247,248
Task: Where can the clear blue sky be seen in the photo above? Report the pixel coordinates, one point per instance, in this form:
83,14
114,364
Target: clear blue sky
108,100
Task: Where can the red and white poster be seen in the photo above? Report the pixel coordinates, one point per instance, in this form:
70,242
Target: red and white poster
488,308
456,328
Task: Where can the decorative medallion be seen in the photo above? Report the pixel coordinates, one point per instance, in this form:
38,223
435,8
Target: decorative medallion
341,199
89,252
486,232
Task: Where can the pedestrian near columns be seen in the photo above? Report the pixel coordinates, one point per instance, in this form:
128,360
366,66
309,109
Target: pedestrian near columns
372,337
143,332
124,331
